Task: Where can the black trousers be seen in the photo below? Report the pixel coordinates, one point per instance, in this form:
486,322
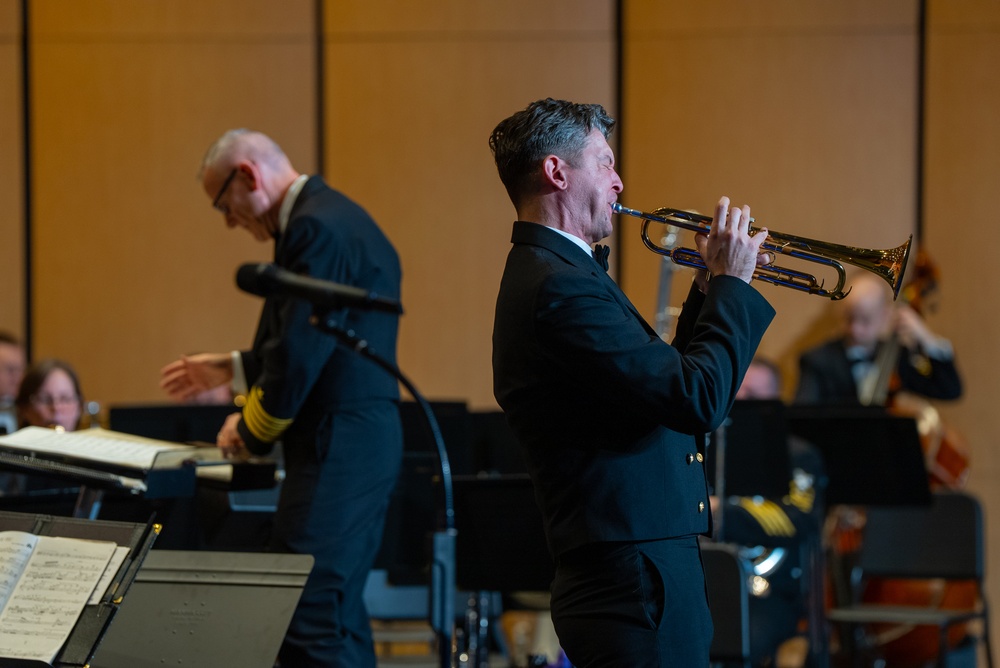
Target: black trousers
333,506
633,605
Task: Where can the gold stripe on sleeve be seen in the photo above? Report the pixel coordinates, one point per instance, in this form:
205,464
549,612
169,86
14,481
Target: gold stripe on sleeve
770,516
262,425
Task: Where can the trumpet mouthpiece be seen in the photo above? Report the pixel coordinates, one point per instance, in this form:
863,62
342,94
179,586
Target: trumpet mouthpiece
618,208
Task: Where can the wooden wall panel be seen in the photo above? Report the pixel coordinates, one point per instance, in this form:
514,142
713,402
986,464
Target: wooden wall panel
806,111
412,95
132,266
962,164
11,171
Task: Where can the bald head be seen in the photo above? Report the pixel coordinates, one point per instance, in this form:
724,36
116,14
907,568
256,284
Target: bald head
246,176
242,144
866,311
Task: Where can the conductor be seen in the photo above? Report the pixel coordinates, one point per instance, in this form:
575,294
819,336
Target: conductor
334,411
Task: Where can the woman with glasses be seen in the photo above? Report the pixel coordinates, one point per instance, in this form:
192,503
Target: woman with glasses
50,396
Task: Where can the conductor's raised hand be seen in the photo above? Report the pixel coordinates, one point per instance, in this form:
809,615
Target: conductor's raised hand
728,249
192,374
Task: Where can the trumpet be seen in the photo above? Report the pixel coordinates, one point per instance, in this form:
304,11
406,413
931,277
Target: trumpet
889,264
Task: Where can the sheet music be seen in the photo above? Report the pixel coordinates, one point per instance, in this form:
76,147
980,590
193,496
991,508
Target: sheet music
109,574
50,592
15,550
99,445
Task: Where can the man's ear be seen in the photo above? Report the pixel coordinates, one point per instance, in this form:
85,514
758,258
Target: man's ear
556,172
251,173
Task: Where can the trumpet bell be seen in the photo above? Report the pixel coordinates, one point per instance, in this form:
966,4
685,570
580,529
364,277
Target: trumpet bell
889,264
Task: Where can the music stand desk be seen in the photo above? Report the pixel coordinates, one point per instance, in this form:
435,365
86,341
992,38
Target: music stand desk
871,457
95,620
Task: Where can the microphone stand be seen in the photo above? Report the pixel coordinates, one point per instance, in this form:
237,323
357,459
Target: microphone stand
443,587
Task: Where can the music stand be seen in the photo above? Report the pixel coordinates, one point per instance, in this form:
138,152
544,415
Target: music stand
871,458
179,423
500,547
756,460
206,608
95,619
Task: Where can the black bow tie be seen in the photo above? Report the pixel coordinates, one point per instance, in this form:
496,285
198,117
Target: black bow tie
601,253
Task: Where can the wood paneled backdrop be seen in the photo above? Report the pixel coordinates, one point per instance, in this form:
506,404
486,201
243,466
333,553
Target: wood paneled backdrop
806,110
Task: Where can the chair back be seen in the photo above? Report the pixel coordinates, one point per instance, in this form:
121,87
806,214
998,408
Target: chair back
726,575
942,540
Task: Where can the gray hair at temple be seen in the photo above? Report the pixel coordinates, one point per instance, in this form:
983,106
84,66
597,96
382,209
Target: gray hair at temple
546,127
241,143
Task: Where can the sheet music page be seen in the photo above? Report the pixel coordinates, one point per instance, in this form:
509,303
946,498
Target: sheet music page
15,550
49,596
99,445
109,573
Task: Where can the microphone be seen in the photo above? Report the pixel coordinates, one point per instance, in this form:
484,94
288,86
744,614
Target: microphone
266,279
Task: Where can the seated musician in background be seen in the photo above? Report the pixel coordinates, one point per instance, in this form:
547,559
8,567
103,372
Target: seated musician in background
885,356
12,363
841,370
50,396
793,522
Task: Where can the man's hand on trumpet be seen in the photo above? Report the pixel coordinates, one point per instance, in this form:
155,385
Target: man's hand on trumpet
728,249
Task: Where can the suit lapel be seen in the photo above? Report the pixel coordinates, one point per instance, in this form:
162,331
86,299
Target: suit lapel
543,237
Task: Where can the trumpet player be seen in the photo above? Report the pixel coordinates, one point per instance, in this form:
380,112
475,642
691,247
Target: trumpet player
610,417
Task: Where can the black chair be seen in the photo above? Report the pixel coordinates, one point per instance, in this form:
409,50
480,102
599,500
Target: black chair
726,577
944,540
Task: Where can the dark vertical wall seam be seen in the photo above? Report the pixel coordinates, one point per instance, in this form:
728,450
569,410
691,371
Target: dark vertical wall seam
26,157
619,100
320,91
921,120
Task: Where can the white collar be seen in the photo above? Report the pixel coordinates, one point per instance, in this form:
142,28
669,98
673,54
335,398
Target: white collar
285,212
577,240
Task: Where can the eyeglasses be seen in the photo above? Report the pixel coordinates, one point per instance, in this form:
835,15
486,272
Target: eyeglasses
222,191
49,400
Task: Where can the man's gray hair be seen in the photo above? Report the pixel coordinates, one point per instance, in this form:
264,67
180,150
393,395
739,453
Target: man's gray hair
239,143
546,127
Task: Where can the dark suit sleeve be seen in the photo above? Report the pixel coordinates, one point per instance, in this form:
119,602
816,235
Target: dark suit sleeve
612,354
293,352
688,317
930,377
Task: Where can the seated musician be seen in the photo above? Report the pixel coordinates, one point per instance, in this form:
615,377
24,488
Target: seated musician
886,355
845,369
778,614
50,396
12,363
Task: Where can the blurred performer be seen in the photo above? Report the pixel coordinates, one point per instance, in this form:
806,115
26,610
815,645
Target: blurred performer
12,363
782,534
50,396
334,411
844,369
888,356
610,417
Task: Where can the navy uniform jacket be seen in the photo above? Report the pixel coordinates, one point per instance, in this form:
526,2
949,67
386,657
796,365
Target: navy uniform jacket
299,373
825,376
337,416
608,413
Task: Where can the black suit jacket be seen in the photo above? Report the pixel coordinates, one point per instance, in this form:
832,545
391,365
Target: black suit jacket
300,374
608,413
825,376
